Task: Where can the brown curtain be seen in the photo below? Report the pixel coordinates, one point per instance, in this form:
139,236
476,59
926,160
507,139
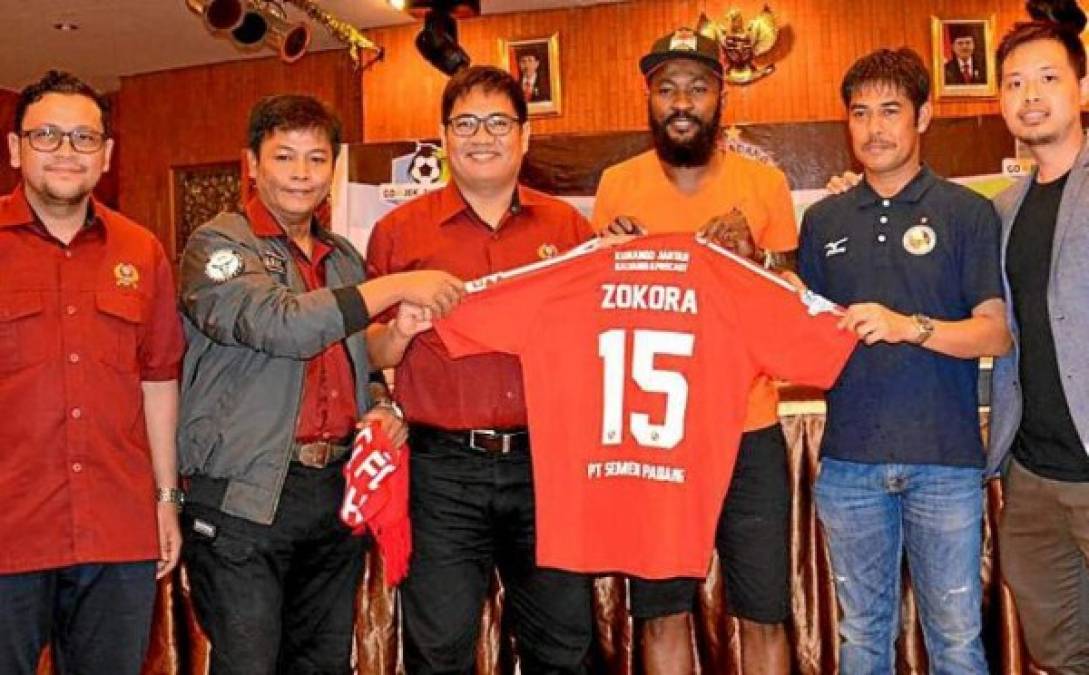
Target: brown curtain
179,648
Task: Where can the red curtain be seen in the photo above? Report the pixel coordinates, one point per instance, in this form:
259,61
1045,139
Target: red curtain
179,648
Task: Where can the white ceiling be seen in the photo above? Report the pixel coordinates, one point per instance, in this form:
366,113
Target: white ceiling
125,37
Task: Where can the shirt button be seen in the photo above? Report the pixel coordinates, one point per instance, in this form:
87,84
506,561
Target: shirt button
881,238
77,467
333,393
67,253
73,358
325,435
883,219
76,413
70,310
884,202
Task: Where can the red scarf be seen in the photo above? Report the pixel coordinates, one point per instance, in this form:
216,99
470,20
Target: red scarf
376,497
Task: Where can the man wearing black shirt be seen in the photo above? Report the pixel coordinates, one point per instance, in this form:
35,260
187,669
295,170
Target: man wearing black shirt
1040,405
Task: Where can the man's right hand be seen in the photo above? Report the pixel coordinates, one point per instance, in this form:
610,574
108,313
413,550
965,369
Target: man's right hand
411,320
840,184
434,290
623,225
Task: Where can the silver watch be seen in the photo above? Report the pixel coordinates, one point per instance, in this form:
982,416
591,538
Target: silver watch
170,496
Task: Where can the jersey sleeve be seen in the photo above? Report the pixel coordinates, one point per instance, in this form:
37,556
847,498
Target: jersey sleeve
790,336
496,319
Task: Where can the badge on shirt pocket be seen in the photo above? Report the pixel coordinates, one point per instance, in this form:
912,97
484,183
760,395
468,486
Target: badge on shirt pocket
920,239
126,275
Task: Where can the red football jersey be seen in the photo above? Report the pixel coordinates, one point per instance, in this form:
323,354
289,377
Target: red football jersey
637,363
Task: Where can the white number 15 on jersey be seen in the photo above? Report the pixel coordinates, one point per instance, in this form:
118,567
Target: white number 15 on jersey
646,344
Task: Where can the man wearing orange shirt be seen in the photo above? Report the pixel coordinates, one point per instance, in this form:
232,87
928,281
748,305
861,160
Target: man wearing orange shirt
90,346
687,184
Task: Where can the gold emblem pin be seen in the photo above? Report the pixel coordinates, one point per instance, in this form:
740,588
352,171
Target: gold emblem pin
920,240
546,251
126,274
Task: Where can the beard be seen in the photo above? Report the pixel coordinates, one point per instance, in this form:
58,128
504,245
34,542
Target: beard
694,152
66,196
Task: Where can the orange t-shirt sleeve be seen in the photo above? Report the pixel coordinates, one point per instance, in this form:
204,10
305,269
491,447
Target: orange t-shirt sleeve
605,201
781,231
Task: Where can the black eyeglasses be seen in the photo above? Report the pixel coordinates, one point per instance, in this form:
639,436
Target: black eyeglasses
497,124
49,138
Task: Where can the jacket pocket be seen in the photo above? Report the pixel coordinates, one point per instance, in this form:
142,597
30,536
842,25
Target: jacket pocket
118,323
20,322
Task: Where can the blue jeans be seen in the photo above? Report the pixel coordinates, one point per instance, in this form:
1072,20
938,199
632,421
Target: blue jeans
870,514
96,616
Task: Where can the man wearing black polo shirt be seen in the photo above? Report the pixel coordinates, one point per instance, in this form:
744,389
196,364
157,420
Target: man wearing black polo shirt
1040,406
914,258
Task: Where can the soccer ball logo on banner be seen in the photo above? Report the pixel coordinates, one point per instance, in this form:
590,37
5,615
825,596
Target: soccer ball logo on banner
428,165
411,175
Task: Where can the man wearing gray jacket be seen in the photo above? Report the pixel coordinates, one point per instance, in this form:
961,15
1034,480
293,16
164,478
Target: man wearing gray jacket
274,383
1040,404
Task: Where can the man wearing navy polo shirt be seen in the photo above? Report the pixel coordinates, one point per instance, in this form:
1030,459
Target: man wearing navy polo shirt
915,259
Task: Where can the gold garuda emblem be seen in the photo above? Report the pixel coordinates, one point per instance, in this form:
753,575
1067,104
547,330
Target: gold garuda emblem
743,43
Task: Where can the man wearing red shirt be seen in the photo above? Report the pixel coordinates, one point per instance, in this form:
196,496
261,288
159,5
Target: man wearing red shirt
471,496
89,350
275,379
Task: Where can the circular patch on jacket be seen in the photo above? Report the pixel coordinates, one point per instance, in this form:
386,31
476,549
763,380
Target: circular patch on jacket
920,240
223,265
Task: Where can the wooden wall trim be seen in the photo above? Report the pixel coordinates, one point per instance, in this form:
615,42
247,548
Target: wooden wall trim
601,45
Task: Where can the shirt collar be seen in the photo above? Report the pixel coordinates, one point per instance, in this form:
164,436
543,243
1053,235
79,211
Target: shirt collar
15,210
452,203
910,193
264,224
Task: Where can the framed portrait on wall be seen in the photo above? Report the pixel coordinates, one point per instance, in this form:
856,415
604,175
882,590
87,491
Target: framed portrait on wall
963,54
535,63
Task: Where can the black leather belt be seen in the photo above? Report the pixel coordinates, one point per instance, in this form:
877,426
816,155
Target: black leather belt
320,454
491,441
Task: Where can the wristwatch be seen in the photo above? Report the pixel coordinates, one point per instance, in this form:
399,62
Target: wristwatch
170,496
925,327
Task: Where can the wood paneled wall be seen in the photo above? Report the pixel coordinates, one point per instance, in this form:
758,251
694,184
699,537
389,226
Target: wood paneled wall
600,48
198,115
8,176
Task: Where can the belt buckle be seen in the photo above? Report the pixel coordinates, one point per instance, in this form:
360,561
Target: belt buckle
315,455
502,448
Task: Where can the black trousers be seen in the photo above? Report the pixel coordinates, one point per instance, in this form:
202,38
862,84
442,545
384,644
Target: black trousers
97,617
473,512
277,598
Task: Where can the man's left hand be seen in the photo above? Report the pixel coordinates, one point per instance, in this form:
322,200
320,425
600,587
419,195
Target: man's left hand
875,323
731,232
170,539
395,427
